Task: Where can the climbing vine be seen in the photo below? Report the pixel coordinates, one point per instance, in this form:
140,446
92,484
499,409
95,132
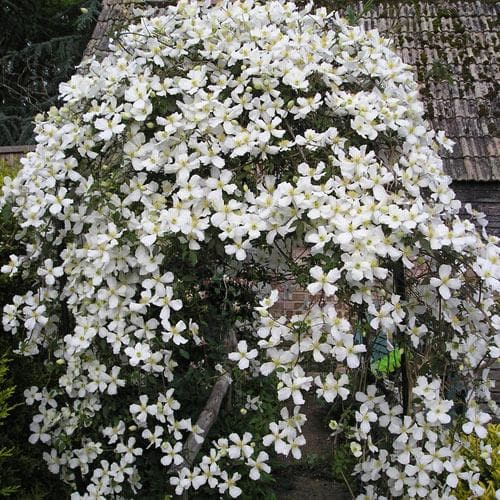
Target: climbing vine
216,153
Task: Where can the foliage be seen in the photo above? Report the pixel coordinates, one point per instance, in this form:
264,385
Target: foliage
7,170
40,45
343,463
483,458
5,409
216,153
7,392
24,465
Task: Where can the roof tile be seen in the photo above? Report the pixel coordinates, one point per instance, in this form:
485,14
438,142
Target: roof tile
454,46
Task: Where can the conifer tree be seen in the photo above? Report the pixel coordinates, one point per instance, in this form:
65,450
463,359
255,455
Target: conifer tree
40,44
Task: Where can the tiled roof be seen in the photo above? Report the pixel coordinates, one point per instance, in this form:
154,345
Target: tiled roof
114,15
454,46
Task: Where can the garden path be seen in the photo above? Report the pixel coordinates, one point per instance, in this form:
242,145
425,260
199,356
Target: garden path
310,478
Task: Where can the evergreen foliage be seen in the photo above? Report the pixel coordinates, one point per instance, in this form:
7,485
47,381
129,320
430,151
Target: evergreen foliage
40,44
6,391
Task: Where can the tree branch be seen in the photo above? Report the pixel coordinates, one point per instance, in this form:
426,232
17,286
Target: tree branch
209,414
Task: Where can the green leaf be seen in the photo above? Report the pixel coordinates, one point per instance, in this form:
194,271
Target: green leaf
193,258
388,363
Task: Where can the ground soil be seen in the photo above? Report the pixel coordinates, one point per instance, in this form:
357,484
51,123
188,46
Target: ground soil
310,477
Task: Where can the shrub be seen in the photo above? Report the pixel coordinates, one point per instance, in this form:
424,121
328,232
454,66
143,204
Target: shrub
22,464
5,409
6,388
216,153
483,461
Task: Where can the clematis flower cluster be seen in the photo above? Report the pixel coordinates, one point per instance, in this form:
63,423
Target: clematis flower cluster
261,135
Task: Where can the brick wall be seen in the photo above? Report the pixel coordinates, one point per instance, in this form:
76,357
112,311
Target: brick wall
292,300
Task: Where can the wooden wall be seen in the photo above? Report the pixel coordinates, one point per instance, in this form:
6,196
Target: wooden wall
12,154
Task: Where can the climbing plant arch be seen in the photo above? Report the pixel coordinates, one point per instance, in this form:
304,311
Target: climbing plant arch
217,152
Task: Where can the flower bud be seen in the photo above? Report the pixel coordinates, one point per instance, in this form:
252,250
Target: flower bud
333,424
356,449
